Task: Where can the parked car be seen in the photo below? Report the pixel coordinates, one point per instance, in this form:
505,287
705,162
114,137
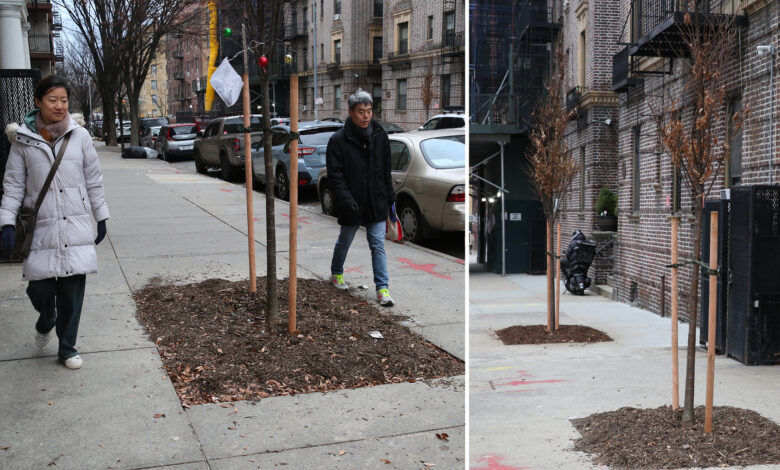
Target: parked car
428,178
390,128
312,143
222,145
177,140
145,123
444,121
149,137
123,134
280,120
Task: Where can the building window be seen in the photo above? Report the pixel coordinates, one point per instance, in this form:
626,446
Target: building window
154,84
582,179
378,11
430,27
322,50
306,20
734,176
582,59
376,97
449,29
305,58
400,104
337,97
336,7
445,90
337,51
154,70
154,99
377,49
635,176
403,37
306,97
322,8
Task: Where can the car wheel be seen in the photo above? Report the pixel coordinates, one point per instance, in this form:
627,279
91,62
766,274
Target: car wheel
411,221
326,199
228,173
200,167
282,185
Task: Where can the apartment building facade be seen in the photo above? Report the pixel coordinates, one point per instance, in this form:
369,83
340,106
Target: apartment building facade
30,36
626,154
184,57
382,47
154,94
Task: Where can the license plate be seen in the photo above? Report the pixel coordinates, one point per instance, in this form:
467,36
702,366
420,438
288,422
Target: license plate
187,147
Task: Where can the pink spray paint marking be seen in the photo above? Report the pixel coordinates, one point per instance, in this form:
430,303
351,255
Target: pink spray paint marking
493,462
226,190
513,382
358,269
427,268
303,220
460,261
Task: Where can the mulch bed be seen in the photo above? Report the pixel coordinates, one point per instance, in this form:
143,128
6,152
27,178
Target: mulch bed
631,438
538,334
216,346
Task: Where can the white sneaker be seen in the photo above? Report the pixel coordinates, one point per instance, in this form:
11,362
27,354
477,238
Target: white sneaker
383,296
73,362
41,339
338,281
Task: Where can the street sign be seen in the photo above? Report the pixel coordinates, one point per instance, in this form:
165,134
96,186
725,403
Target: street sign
515,216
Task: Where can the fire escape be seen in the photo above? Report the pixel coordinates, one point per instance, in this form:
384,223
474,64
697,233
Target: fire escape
56,34
656,29
453,43
505,87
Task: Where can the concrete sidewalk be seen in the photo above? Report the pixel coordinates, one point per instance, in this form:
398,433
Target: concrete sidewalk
183,227
522,397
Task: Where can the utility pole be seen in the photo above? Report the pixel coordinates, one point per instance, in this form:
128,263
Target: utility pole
314,56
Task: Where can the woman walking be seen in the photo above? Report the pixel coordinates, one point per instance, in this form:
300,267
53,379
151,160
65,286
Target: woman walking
62,250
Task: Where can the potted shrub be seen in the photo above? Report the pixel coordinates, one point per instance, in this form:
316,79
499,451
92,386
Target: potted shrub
606,208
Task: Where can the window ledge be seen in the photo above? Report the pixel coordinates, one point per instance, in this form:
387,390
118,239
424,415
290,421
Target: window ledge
634,217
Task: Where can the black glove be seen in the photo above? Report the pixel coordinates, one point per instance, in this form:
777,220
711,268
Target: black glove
7,238
355,208
101,232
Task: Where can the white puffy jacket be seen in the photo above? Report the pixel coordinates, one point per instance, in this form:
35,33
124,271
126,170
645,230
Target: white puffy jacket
63,241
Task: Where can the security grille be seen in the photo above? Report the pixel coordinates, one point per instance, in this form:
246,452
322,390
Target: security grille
16,100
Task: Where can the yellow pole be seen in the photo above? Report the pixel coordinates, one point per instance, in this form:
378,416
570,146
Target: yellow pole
675,302
558,276
250,219
213,53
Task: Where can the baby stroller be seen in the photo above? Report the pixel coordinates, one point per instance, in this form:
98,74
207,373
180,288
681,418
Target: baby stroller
575,265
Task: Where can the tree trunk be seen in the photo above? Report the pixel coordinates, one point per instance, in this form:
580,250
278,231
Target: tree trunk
134,125
690,367
550,279
109,115
272,303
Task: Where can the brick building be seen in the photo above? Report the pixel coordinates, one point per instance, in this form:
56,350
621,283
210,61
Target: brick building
627,155
398,43
185,61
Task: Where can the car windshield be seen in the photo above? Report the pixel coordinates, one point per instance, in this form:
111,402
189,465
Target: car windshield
154,122
236,124
445,152
318,136
184,130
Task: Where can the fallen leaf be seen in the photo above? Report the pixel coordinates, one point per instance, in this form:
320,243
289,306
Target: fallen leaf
51,403
428,464
385,461
219,350
443,436
5,447
174,438
235,410
225,405
232,428
159,415
342,452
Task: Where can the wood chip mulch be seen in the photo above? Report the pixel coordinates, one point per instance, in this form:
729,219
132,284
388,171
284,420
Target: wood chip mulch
216,347
631,438
538,334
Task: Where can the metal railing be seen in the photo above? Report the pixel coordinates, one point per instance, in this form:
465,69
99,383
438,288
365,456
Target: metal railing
503,108
647,14
40,43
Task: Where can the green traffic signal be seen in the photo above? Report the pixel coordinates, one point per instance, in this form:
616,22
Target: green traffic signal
227,32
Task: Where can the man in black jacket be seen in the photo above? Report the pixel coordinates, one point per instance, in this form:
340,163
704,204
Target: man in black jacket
358,160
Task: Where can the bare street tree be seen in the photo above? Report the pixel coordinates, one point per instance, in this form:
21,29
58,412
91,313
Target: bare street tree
691,130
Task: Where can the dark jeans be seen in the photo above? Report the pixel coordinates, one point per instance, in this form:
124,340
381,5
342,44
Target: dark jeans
59,301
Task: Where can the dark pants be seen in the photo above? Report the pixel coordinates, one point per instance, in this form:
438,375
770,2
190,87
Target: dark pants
59,301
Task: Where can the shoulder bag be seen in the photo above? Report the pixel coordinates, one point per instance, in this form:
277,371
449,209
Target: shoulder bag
26,218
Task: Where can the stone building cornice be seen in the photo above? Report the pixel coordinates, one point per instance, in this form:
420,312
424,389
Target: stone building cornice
598,99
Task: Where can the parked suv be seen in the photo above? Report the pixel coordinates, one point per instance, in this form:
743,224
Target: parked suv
222,145
176,140
146,123
444,121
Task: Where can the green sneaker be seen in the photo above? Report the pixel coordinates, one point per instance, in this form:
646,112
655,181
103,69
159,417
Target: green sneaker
338,281
383,296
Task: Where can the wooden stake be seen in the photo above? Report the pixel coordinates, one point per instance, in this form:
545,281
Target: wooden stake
711,324
549,276
557,276
675,359
293,277
250,220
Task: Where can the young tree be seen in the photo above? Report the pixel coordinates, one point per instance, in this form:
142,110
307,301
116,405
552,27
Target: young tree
427,93
550,164
691,133
263,24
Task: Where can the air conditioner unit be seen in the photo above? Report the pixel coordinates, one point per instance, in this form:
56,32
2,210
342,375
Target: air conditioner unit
337,17
304,108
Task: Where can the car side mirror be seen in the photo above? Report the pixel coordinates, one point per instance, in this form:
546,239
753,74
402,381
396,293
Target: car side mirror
421,128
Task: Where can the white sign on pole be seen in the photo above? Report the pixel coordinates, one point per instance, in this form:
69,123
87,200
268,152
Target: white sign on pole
227,83
513,216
